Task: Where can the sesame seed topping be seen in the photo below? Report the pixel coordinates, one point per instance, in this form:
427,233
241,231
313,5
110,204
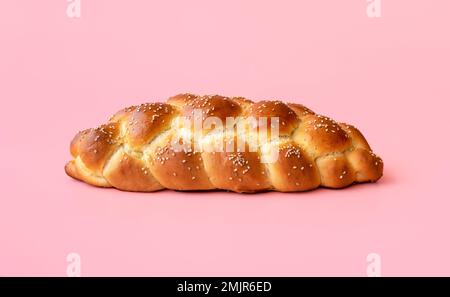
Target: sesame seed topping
292,151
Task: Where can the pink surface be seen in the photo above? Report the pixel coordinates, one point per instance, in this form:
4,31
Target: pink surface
389,76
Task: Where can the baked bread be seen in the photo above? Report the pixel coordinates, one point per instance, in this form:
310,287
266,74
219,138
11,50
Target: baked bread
134,151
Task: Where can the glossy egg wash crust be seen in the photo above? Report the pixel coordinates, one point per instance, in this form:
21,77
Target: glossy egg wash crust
132,152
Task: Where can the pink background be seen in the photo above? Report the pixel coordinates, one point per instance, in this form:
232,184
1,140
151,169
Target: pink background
388,76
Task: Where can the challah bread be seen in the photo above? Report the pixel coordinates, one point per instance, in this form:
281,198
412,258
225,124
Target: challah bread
134,151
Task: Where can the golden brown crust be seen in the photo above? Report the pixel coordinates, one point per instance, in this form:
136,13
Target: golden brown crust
95,146
335,172
211,105
134,152
293,170
320,135
179,170
287,118
129,173
300,110
236,171
145,122
367,165
357,138
78,170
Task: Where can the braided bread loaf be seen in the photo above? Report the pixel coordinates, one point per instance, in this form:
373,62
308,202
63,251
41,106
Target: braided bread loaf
132,152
